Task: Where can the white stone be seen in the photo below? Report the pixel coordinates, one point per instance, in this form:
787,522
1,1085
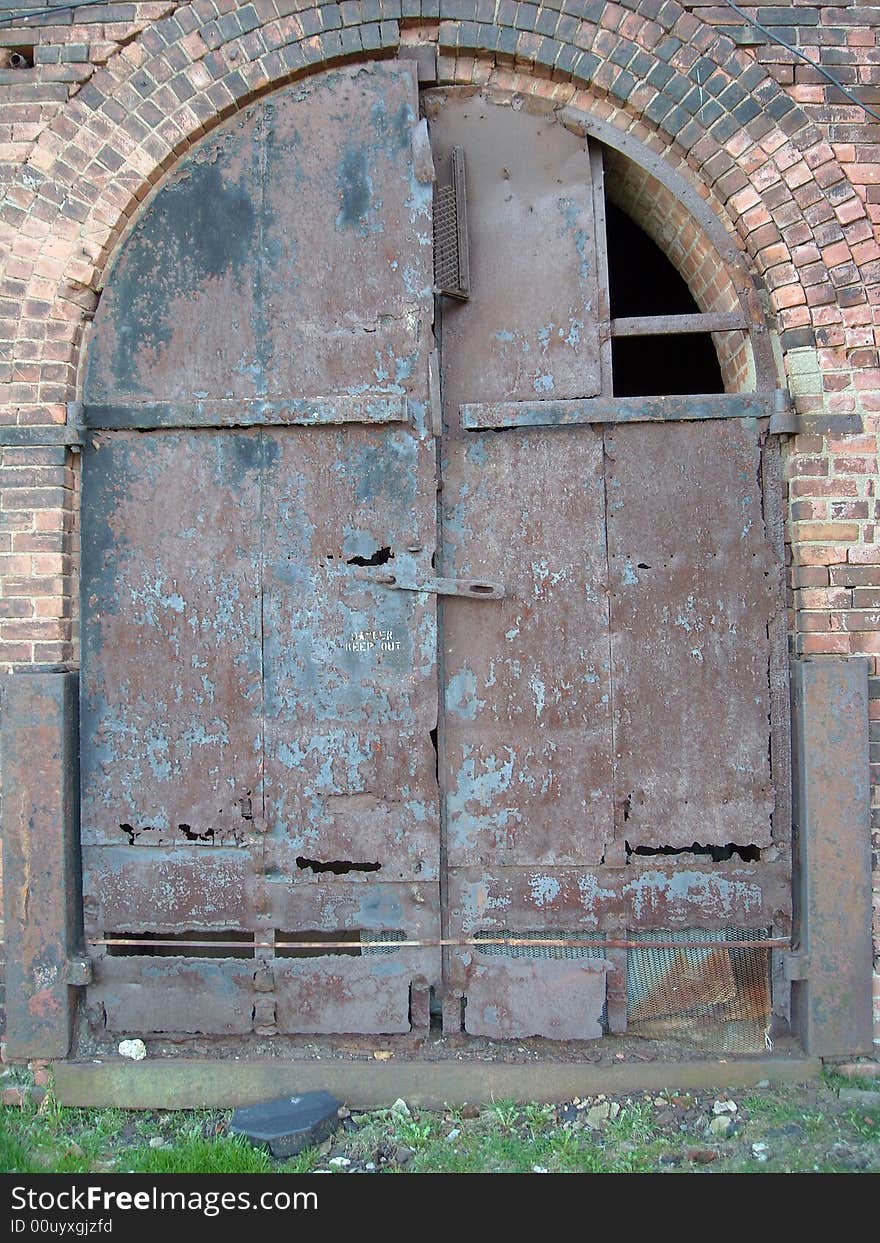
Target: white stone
540,1169
453,1135
157,1142
400,1108
342,1162
724,1107
135,1049
721,1125
598,1114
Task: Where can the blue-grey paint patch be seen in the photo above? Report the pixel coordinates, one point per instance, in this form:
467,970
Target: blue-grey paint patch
200,227
476,452
460,696
543,384
355,188
629,578
544,889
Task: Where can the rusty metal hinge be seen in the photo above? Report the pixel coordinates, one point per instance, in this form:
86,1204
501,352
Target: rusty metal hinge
78,972
451,263
472,588
796,965
784,420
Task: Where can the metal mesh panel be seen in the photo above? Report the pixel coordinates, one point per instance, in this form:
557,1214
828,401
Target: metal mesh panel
715,997
447,276
539,951
370,950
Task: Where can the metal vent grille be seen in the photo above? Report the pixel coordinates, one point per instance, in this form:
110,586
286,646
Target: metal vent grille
451,274
547,952
715,997
370,950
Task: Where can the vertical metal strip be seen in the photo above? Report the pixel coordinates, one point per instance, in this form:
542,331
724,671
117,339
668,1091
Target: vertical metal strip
780,706
602,276
615,850
451,1006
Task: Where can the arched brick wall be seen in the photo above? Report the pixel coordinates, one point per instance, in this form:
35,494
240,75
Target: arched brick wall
680,86
795,209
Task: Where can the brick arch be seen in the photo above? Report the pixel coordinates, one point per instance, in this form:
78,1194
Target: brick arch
678,86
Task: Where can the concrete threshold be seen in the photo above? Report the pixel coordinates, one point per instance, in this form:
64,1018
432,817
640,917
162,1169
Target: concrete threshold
201,1083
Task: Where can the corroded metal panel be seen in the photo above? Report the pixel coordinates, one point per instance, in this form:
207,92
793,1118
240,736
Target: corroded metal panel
171,656
350,663
40,860
337,994
288,256
832,989
515,1000
172,890
694,585
174,995
530,327
527,756
657,895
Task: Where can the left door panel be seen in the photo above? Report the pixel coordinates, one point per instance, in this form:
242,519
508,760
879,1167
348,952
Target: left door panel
255,717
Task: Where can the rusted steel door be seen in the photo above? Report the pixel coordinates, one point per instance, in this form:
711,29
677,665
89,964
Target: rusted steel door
256,716
605,734
358,670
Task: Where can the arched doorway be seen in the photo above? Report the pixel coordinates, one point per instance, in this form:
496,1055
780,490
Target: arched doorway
408,642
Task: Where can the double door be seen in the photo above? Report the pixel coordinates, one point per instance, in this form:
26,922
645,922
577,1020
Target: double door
372,676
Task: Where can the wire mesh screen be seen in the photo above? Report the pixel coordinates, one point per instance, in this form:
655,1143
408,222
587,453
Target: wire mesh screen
447,265
716,997
369,950
540,951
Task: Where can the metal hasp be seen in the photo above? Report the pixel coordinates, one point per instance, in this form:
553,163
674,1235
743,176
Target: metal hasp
831,989
41,882
469,588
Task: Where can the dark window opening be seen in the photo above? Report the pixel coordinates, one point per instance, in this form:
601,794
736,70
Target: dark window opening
718,854
314,944
208,944
339,867
380,557
643,282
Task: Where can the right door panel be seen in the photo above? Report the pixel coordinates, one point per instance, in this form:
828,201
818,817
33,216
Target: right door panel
693,586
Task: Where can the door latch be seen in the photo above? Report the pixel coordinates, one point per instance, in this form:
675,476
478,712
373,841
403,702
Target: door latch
471,588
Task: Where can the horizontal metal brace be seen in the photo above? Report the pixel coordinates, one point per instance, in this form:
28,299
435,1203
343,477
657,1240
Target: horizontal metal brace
451,942
251,412
471,588
58,435
663,325
576,411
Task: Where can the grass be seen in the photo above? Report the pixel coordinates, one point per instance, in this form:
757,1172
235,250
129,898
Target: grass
802,1127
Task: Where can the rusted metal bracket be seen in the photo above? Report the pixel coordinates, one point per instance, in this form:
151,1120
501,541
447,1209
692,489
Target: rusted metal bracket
472,588
369,408
423,160
796,965
434,395
79,972
784,420
576,411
